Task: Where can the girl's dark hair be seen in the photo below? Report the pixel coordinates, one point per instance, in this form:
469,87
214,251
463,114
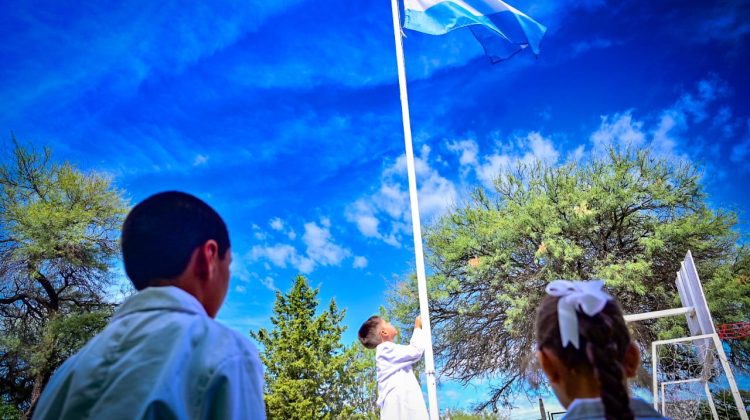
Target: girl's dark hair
604,340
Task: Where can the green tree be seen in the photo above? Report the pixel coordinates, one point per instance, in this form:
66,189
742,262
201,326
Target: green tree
728,296
725,405
309,373
58,241
463,415
627,218
363,385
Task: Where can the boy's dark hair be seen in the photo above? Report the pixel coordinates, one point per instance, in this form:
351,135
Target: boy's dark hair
160,234
369,334
604,340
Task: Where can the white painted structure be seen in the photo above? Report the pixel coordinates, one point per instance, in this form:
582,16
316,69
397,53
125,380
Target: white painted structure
702,330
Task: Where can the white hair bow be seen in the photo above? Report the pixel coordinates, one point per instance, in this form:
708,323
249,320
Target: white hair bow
585,296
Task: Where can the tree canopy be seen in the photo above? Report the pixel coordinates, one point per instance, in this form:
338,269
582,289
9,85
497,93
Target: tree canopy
58,242
310,374
627,218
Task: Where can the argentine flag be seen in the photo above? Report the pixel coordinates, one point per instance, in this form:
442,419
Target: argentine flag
501,29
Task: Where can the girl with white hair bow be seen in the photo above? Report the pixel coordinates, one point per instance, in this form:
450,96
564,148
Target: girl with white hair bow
585,350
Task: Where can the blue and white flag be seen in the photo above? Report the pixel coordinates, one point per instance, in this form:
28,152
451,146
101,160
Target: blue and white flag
501,29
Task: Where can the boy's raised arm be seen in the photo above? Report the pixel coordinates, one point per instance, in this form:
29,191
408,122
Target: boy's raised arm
417,337
404,355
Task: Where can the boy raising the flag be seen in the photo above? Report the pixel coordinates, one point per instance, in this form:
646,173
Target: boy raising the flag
399,393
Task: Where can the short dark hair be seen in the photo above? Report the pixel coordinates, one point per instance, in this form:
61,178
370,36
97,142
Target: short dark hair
160,234
369,334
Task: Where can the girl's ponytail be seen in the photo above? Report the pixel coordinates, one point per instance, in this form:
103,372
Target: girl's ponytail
605,353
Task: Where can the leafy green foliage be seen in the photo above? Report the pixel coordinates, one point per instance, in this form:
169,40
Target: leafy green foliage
309,373
64,335
725,405
728,295
58,240
627,218
463,415
8,412
363,386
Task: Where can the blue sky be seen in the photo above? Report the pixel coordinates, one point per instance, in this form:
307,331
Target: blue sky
284,116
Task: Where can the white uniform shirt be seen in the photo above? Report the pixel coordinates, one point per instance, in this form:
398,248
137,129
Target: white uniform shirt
399,393
161,356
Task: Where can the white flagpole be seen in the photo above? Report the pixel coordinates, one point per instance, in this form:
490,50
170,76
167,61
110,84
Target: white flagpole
419,253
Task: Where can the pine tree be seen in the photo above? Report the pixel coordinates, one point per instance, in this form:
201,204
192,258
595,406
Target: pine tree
309,373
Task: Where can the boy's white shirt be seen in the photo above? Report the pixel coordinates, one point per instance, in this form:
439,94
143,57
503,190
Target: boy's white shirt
394,365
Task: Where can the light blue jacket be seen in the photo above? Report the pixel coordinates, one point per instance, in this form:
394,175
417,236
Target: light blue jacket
593,409
161,356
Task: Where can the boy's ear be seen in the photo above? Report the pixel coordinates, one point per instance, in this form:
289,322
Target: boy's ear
632,360
204,259
551,365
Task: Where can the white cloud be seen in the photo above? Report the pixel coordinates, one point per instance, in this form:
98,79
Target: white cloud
663,142
468,150
541,149
724,121
619,131
530,148
597,43
276,224
320,245
360,262
200,160
741,151
278,254
126,57
385,214
577,154
238,269
320,250
668,137
280,225
362,214
268,282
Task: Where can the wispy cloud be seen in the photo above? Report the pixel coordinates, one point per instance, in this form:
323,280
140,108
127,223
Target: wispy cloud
268,282
87,54
522,150
385,213
200,160
276,224
318,248
593,44
741,151
669,136
359,262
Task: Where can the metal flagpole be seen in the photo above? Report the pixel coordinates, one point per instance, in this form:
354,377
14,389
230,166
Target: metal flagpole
419,253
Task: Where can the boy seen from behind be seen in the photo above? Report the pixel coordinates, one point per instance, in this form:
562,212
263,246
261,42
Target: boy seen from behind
399,393
163,356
